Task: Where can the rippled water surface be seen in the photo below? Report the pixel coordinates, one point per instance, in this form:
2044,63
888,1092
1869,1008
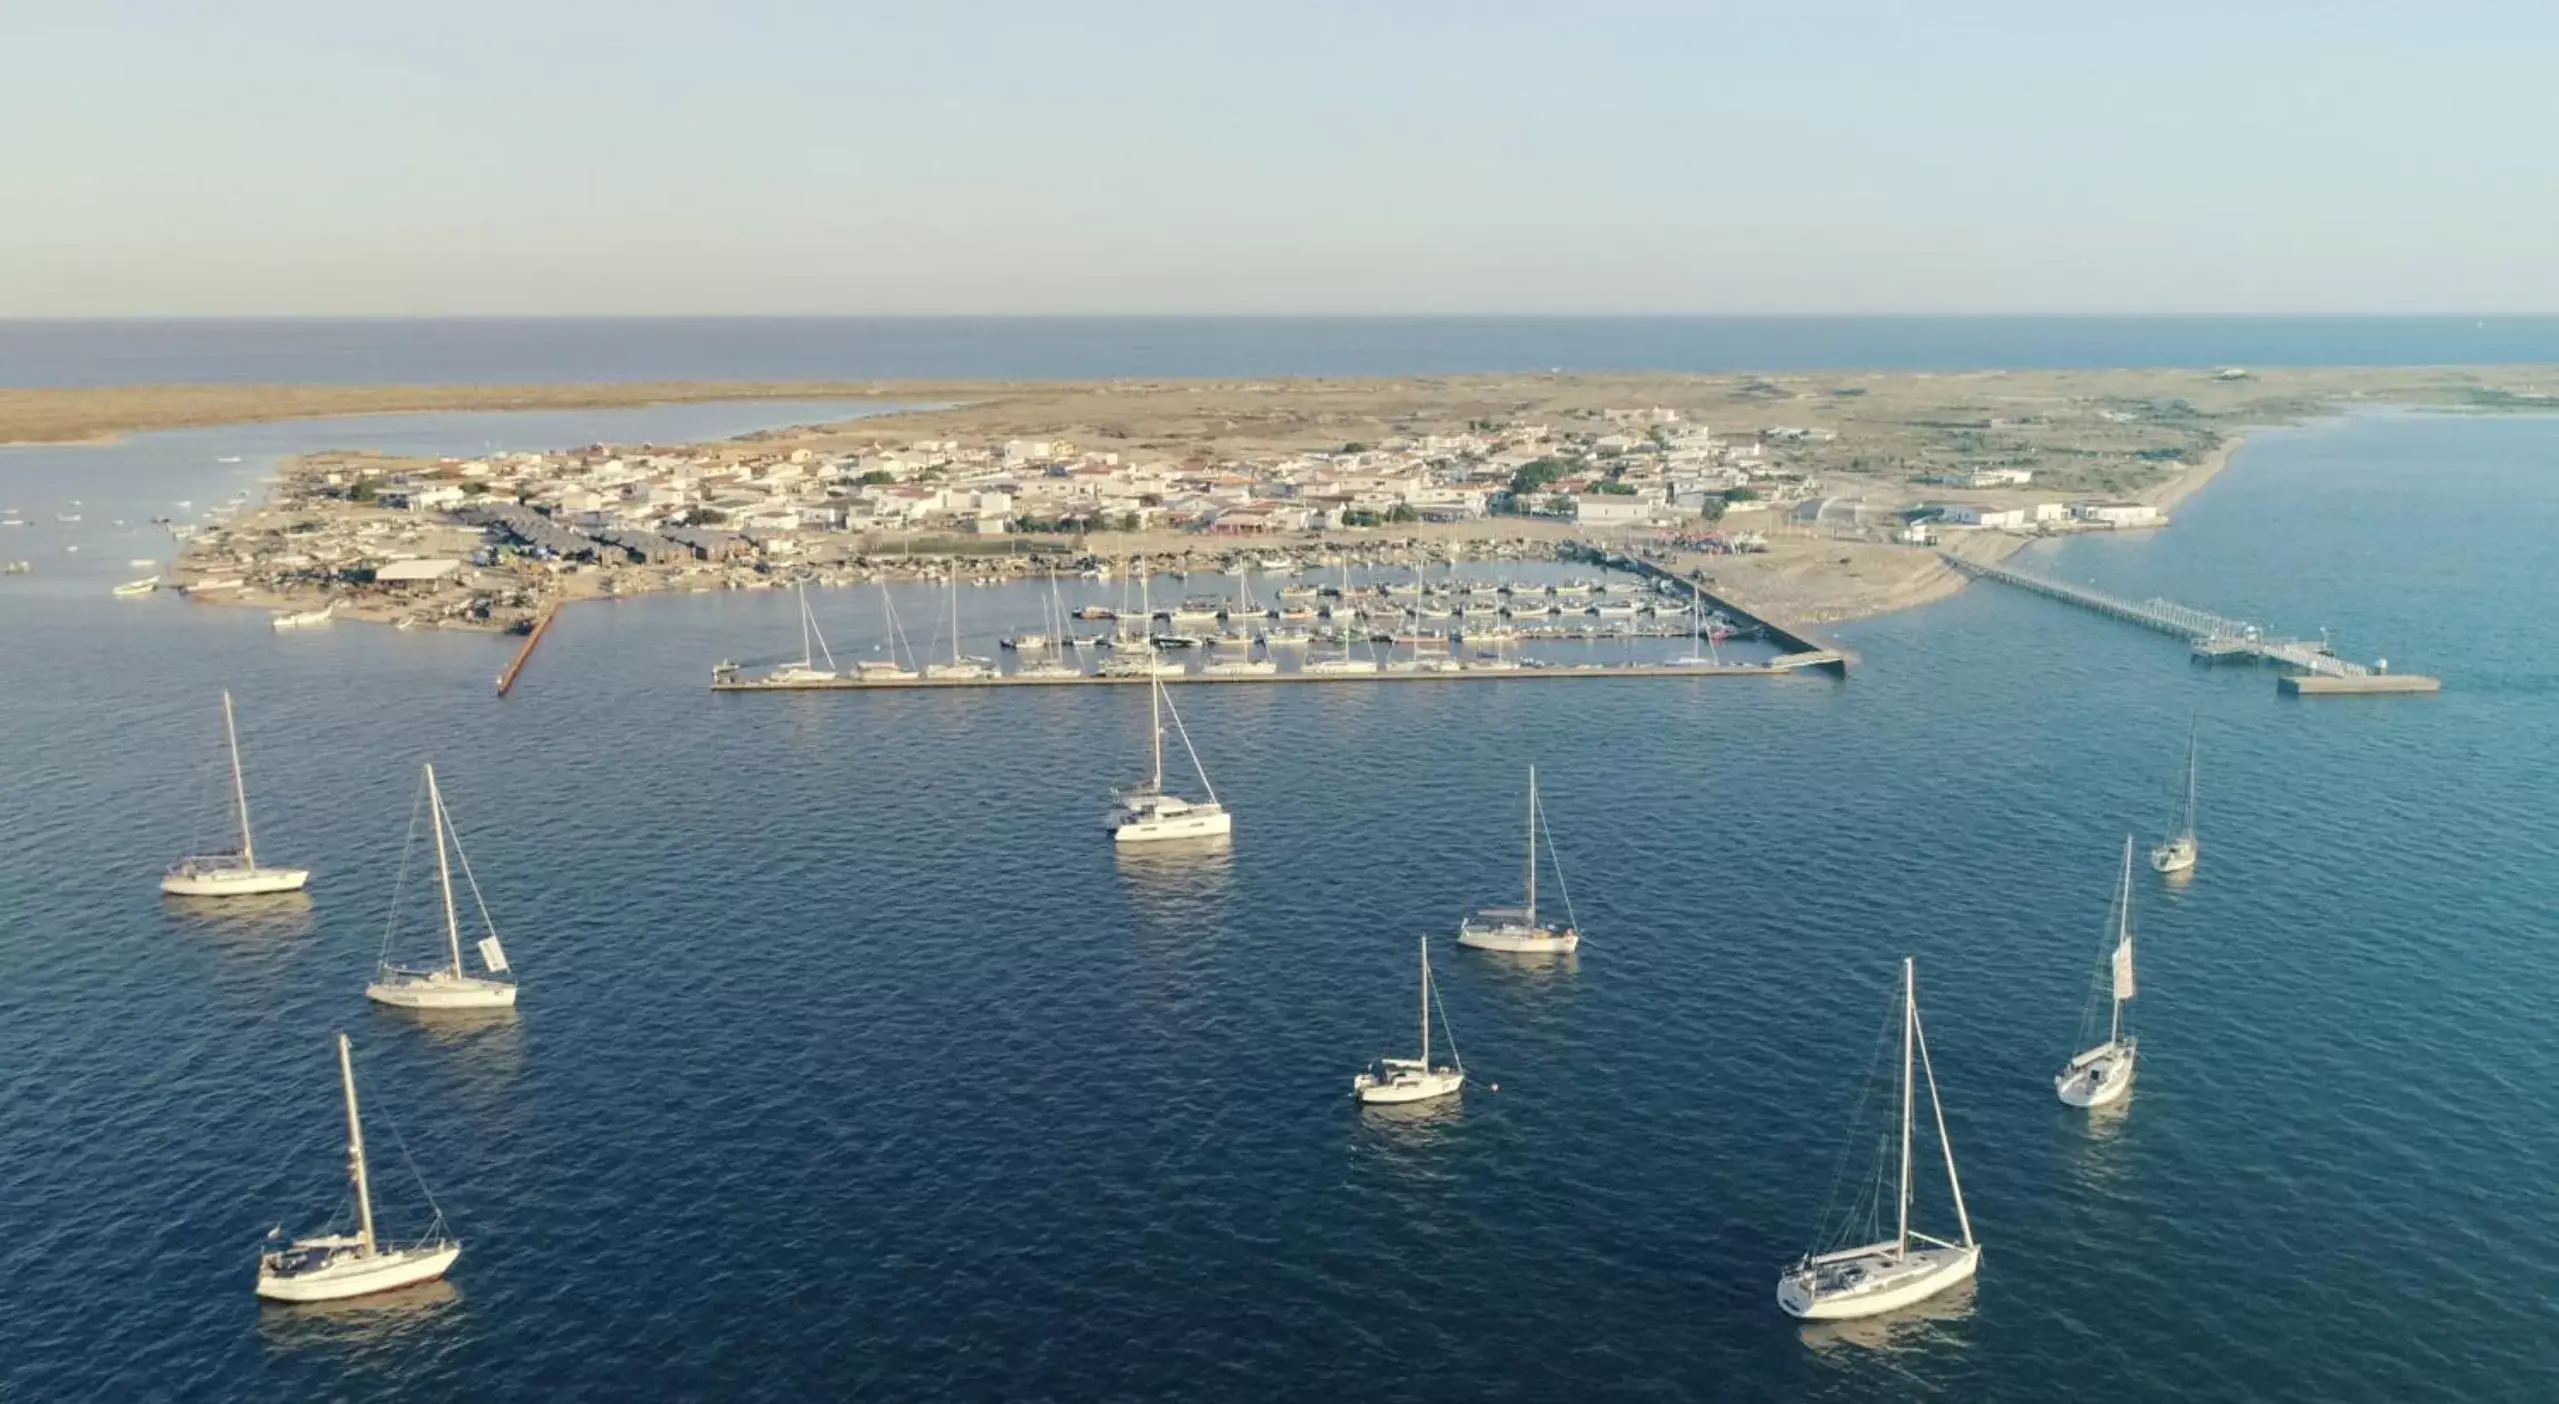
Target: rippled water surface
852,1060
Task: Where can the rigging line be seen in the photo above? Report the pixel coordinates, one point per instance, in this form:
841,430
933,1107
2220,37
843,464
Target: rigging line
1856,1116
1185,733
399,880
411,1161
473,882
1561,884
1447,1029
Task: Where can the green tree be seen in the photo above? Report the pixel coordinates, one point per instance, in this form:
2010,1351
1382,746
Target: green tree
875,477
1402,513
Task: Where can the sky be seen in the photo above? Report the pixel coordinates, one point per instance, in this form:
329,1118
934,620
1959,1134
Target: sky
290,157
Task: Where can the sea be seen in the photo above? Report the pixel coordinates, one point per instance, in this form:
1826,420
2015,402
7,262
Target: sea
853,1062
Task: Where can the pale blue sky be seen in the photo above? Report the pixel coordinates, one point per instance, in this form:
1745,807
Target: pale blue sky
470,157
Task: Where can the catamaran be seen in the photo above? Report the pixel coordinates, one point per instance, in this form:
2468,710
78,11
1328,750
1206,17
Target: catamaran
450,985
232,874
2178,854
1515,929
2105,1072
333,1266
1414,1079
1910,1266
804,669
1147,813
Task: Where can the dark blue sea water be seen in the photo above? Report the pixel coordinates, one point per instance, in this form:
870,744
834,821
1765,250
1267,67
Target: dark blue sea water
853,1062
356,351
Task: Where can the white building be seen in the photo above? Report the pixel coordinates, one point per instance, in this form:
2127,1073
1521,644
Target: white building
1985,515
1608,509
2119,514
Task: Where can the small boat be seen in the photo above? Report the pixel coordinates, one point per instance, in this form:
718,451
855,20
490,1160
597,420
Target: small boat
2105,1073
1028,641
1093,612
1286,637
1873,1278
449,985
233,458
331,1267
131,588
1145,664
142,563
232,874
306,618
18,568
1240,668
1147,813
1391,1080
1344,666
1515,930
1172,640
66,518
2181,850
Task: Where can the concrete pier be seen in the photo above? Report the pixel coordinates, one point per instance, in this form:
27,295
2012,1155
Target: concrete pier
2214,638
1778,667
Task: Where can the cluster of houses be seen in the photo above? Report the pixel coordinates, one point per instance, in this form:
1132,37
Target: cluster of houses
2050,515
1633,468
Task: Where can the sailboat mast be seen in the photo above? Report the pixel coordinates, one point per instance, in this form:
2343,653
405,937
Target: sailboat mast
2123,939
808,654
1426,1003
955,611
1909,1024
2190,783
444,873
1155,724
1532,845
239,786
355,1151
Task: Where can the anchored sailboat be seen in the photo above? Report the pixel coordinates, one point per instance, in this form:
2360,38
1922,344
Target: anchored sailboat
330,1267
2105,1072
2178,854
893,641
232,874
1910,1266
1147,813
1516,929
447,986
1414,1079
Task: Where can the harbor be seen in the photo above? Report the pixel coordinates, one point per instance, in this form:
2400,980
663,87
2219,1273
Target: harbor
1633,620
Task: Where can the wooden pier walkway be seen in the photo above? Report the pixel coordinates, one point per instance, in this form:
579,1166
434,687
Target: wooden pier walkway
2214,638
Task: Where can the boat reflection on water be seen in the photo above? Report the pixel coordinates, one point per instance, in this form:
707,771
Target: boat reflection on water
382,1320
274,916
1922,1325
1176,869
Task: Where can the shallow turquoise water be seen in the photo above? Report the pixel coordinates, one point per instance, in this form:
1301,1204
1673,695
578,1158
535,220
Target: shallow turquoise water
852,1060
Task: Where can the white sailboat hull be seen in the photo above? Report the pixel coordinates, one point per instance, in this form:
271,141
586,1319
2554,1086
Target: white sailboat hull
1513,939
440,989
2098,1077
1407,1085
233,881
1873,1280
1157,828
351,1276
2174,856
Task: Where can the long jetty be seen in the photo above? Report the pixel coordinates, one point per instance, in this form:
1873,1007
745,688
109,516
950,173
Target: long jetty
2216,638
1806,649
1777,667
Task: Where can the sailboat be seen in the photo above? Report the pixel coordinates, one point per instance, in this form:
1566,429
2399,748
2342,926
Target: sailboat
1147,813
448,986
893,639
2178,854
960,668
1347,624
1414,1079
1702,654
2105,1072
1910,1266
1515,929
232,874
333,1266
1048,658
804,669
